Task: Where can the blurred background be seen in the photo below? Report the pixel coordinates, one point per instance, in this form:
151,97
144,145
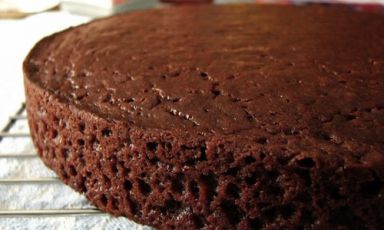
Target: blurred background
24,22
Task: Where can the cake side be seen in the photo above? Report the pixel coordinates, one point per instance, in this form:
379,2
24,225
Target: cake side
168,180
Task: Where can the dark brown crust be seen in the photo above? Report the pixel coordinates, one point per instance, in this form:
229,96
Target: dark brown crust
284,179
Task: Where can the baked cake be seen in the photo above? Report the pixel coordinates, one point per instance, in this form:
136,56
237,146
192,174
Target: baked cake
216,117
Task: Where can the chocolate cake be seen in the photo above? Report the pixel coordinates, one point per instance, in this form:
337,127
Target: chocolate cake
217,117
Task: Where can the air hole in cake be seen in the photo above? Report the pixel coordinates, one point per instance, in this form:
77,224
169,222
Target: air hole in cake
287,211
208,185
103,200
256,224
216,92
232,212
72,171
106,98
54,134
106,132
172,206
323,136
228,157
306,162
83,189
275,190
107,181
55,120
251,180
81,127
81,142
203,155
350,117
204,75
152,146
232,190
124,169
262,155
305,176
126,142
127,185
270,213
144,187
304,197
371,188
215,89
284,160
154,160
307,217
232,171
128,100
334,192
64,174
249,160
345,217
194,189
114,168
133,206
262,140
114,204
191,162
177,184
198,221
273,175
250,117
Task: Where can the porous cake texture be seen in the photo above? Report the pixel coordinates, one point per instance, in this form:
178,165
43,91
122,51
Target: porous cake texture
217,117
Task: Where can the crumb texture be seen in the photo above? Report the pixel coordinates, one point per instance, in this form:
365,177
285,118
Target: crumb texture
247,117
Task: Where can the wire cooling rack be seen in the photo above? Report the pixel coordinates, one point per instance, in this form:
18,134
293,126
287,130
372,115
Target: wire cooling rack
32,196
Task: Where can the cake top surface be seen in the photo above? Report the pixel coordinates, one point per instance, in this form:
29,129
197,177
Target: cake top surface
228,70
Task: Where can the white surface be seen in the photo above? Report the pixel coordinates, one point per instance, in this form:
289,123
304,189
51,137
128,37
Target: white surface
16,38
106,7
28,6
99,3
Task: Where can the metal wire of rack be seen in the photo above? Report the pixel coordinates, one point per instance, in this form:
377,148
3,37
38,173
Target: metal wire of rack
6,133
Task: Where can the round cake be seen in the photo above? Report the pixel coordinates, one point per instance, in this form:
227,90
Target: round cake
217,117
